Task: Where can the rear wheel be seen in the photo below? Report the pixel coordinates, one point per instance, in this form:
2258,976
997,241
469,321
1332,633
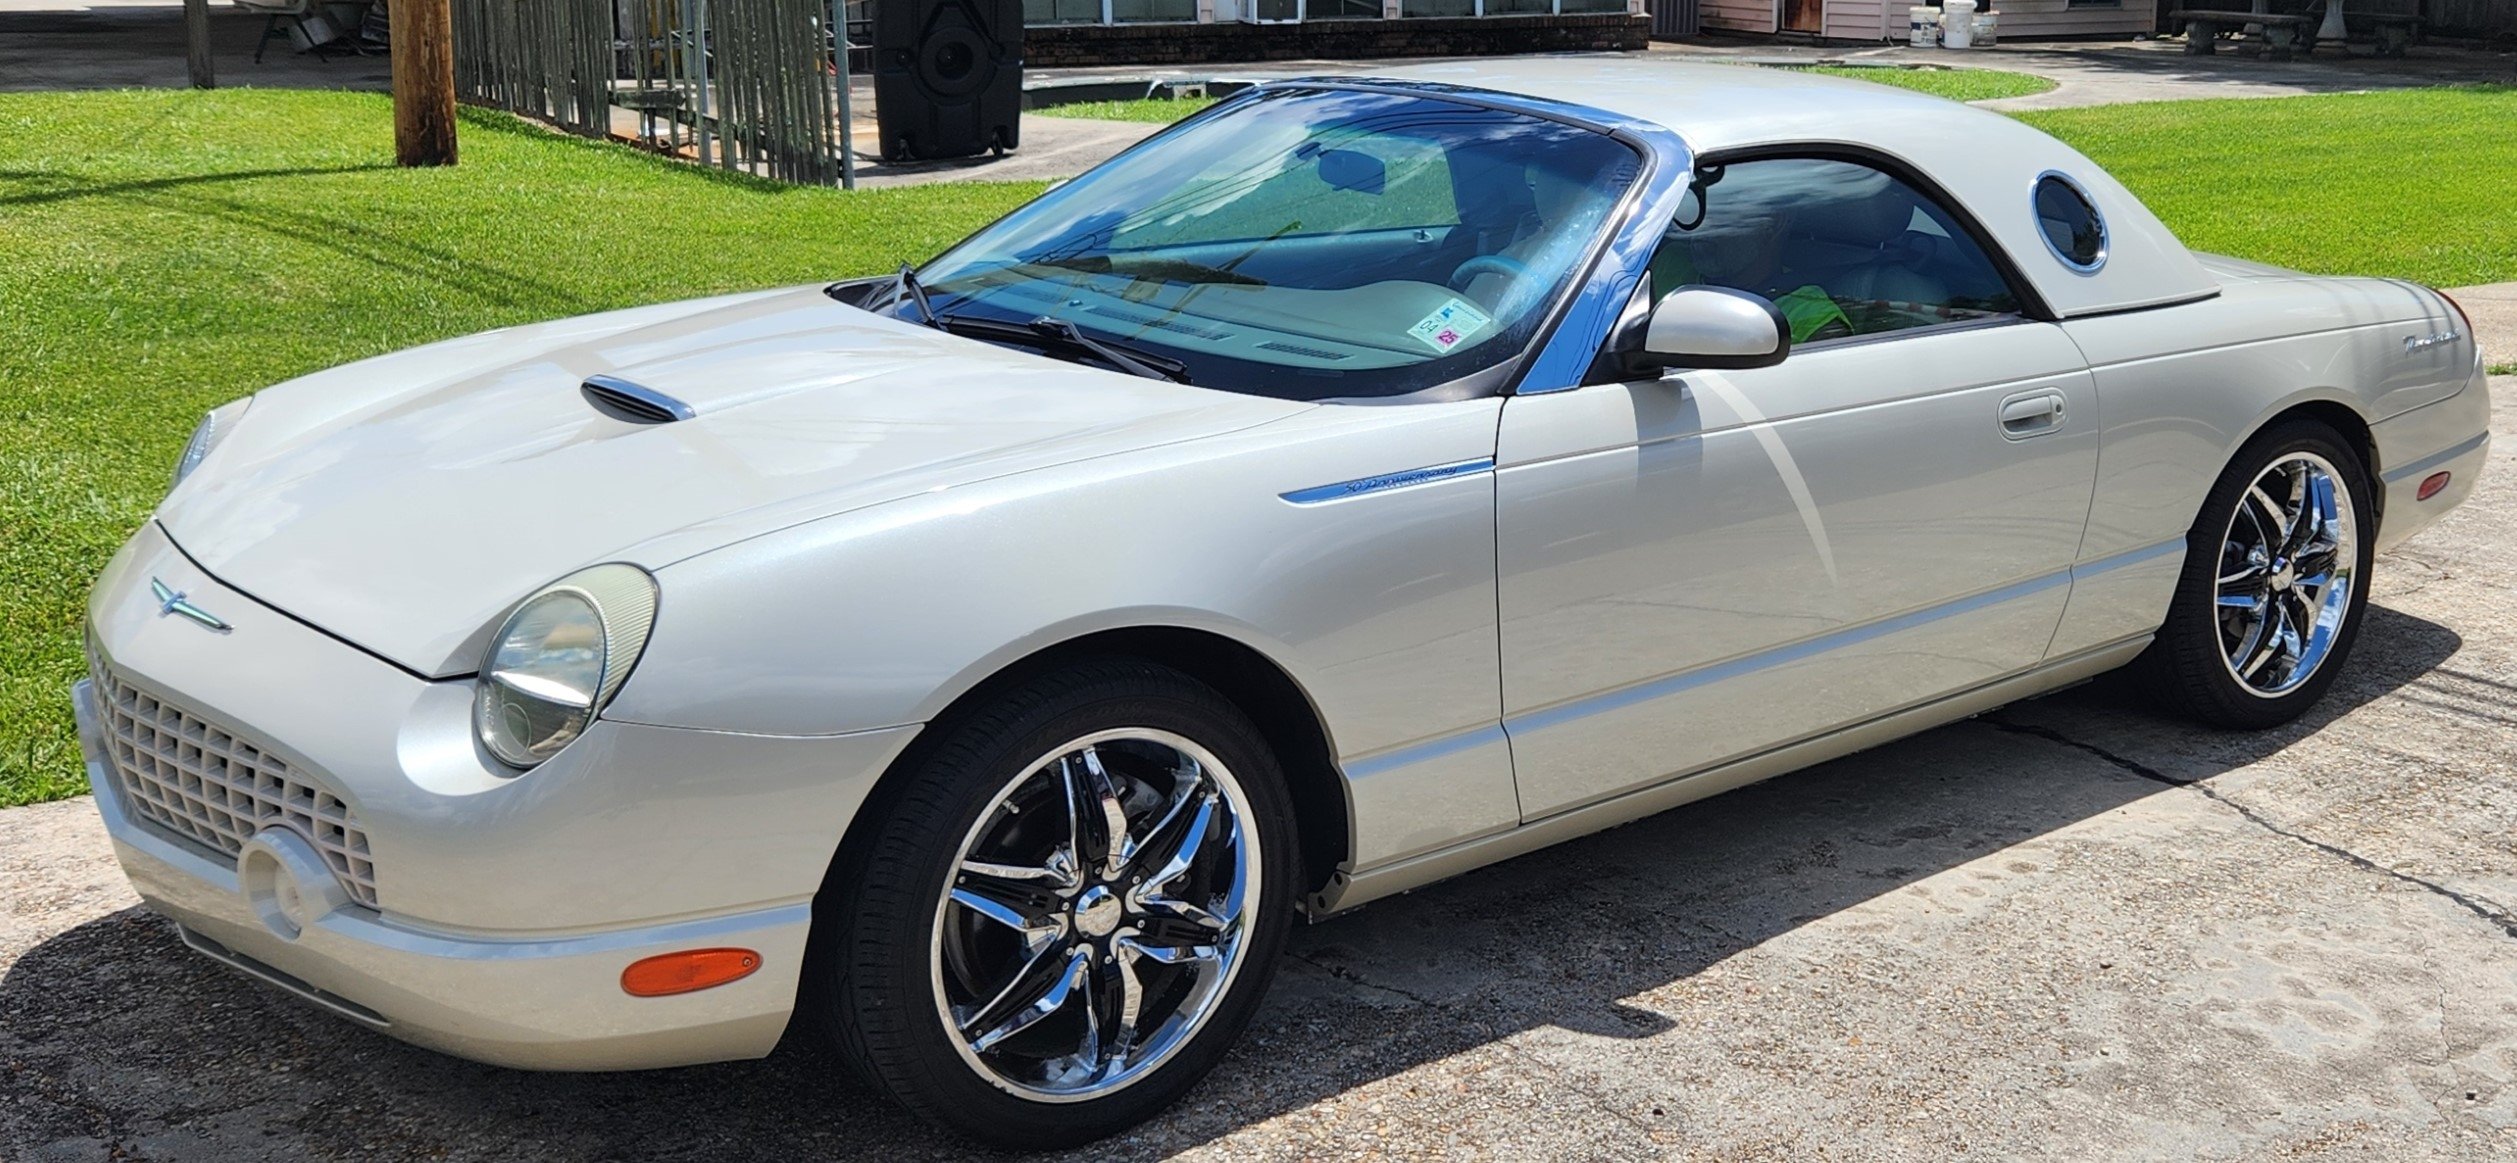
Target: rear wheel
2274,584
1068,914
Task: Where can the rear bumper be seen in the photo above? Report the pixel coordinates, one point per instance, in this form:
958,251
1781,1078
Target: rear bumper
2452,436
538,1002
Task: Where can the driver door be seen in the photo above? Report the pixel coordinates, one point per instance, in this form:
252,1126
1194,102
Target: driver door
1699,566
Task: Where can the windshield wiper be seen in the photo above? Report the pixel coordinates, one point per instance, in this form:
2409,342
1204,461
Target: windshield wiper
1051,334
909,284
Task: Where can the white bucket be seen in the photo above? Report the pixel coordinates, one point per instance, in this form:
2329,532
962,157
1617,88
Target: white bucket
1957,24
1922,27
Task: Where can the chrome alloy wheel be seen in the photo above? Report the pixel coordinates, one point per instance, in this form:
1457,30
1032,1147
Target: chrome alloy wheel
2287,565
1096,915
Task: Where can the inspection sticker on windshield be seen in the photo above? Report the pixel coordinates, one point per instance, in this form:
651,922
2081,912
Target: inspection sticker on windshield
1450,325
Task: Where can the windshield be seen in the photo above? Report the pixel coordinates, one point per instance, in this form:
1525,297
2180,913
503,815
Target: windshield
1307,243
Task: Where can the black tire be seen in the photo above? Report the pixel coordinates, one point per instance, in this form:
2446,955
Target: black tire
2187,667
868,977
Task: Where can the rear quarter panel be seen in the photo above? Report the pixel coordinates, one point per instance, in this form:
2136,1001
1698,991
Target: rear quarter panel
2181,388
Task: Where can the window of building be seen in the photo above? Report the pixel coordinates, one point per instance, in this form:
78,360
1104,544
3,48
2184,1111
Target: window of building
1061,11
1151,11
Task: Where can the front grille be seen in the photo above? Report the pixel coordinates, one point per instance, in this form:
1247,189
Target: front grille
199,781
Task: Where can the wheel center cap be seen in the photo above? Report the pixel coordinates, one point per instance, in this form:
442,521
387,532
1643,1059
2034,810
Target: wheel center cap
1097,912
2282,577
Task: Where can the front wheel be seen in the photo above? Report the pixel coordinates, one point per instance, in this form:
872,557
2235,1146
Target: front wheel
2275,579
1068,913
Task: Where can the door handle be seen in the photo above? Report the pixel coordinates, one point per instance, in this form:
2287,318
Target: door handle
2031,414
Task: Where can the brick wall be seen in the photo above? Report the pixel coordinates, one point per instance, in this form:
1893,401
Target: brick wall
1189,44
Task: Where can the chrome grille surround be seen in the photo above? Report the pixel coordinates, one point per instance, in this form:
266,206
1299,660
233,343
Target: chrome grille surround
201,782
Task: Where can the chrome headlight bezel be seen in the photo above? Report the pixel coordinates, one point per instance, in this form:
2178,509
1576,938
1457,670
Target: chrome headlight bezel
214,427
541,684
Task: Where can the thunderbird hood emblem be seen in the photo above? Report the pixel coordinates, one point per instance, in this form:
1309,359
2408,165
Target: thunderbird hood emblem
172,601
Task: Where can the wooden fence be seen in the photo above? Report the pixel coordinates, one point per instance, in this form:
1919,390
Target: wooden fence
749,85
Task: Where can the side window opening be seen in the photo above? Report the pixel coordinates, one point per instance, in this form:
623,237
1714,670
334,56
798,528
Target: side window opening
1843,248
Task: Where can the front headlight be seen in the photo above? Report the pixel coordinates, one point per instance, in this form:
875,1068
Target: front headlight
206,435
561,656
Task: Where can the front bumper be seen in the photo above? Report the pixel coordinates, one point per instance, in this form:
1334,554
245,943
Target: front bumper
506,906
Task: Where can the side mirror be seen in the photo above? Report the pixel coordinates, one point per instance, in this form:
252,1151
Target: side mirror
1714,327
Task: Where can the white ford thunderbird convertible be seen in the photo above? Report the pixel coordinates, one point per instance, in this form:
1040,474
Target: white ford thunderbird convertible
982,666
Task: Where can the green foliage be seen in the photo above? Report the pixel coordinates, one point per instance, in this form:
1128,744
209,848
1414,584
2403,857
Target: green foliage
1955,84
1156,110
169,250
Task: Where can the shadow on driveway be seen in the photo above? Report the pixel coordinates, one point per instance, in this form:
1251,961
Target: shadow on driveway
124,1037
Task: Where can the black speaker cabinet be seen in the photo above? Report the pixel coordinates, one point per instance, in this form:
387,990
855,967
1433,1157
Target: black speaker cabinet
948,77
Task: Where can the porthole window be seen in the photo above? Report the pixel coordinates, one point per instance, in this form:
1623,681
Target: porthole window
2073,230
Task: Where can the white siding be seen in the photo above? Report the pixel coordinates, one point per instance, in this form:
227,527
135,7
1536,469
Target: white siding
2033,19
1739,15
1860,19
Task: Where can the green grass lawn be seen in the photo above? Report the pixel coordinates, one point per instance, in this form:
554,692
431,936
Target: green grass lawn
2362,183
1157,110
161,252
1955,84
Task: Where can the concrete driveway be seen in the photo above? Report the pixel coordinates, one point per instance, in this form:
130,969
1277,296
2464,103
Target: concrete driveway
2070,929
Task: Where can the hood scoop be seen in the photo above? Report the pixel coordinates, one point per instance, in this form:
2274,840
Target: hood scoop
634,403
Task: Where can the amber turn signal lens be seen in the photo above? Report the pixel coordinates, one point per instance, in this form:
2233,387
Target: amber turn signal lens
2431,485
672,973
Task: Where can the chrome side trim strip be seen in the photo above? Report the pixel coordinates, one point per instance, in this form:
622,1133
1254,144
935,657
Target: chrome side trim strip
1651,689
2436,459
1321,494
2128,557
1481,735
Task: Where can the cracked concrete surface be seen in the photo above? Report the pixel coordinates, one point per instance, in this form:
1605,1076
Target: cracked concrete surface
2069,929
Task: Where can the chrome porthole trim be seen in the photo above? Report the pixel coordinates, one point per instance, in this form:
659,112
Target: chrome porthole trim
1096,915
2106,237
2289,560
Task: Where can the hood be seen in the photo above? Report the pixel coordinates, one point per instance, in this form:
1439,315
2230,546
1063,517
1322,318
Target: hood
404,503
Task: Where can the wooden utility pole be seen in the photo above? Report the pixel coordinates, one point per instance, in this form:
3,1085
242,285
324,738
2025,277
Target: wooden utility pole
423,82
197,43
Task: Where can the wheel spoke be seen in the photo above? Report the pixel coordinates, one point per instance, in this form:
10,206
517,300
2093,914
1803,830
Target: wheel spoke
1006,913
1184,855
2251,575
1059,991
1056,872
1131,1004
1180,910
2267,642
2269,516
1103,793
1029,982
1185,793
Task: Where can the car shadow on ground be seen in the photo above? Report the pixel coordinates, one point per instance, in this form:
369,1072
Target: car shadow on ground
113,1033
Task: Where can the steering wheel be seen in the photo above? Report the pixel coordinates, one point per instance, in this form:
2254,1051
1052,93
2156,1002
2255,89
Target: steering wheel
1486,264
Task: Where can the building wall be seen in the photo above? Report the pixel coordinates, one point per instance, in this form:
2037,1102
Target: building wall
1738,15
1179,44
1885,20
1858,19
2043,19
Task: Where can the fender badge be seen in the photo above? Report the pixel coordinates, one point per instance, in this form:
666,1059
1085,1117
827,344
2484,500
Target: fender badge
172,601
2412,343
